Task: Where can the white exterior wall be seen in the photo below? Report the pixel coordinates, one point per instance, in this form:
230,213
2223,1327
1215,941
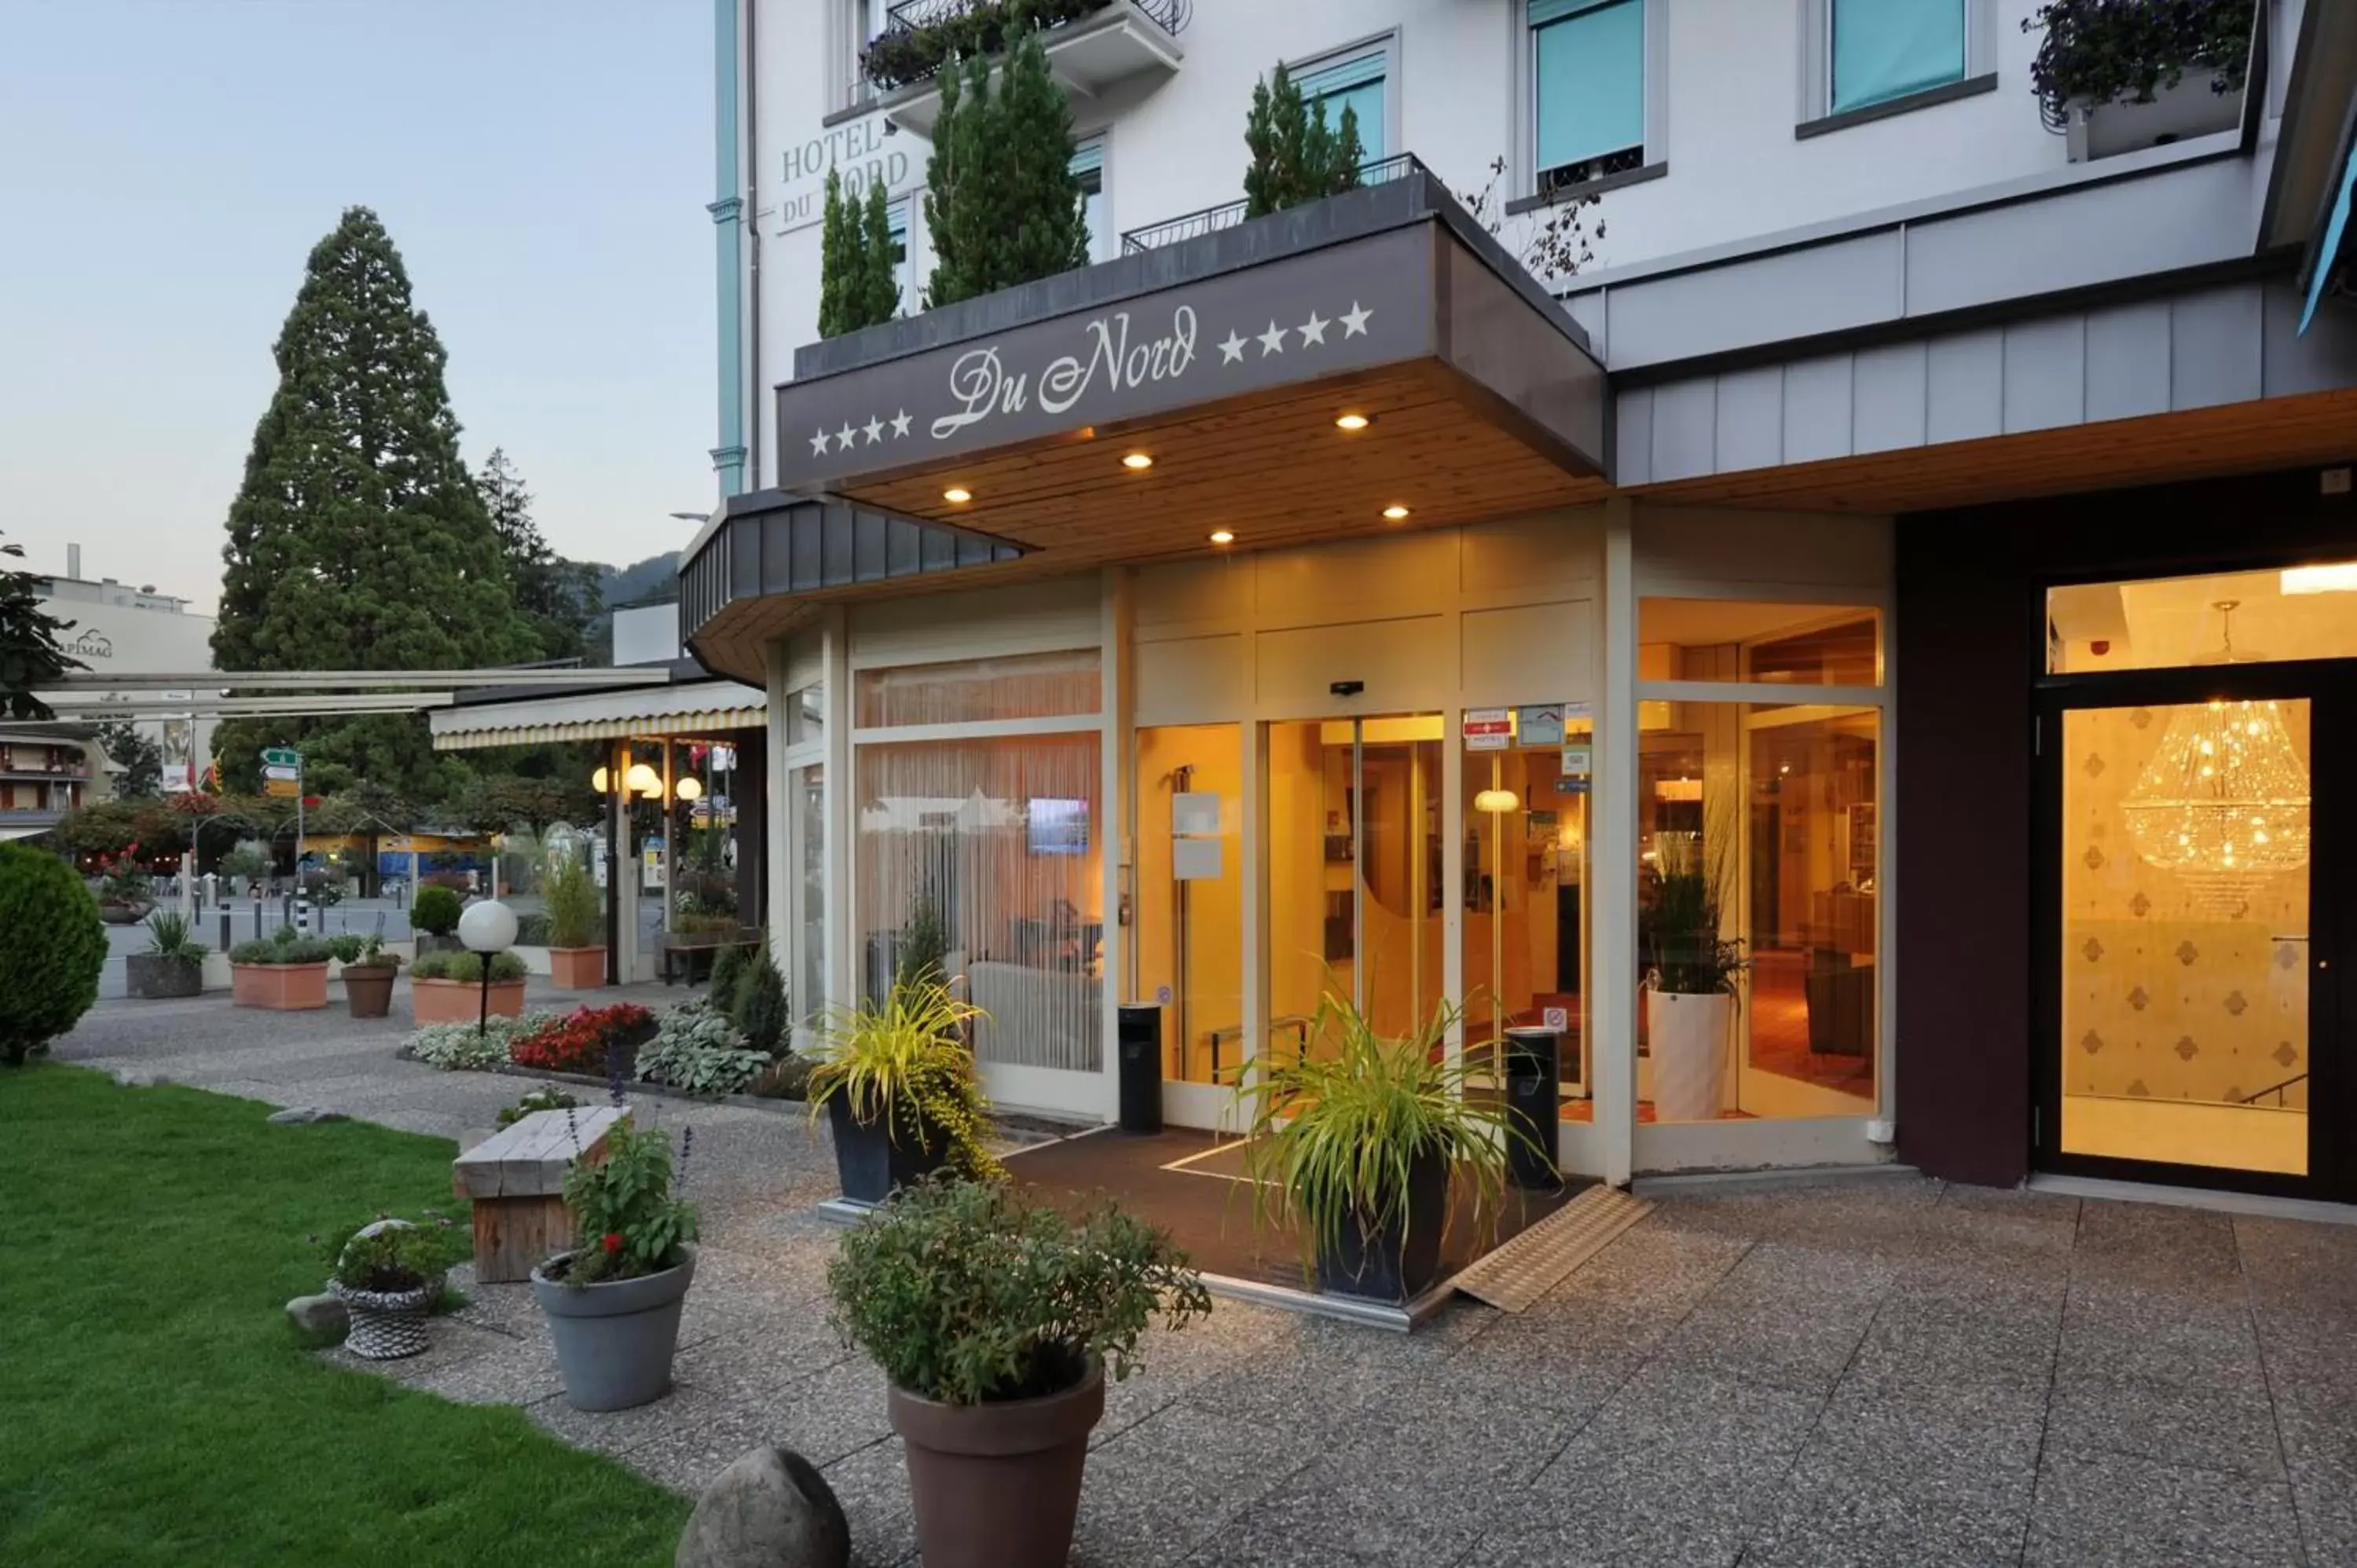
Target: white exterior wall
113,634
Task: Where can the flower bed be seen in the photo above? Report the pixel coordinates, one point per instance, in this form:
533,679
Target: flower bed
584,1040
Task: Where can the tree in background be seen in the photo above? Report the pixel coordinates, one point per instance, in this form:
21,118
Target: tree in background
1002,204
1295,156
880,259
839,260
557,597
357,540
141,759
29,655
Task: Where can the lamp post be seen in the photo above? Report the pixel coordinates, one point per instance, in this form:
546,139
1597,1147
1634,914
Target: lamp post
488,928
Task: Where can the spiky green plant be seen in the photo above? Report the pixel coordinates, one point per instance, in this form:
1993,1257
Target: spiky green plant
902,1060
1335,1131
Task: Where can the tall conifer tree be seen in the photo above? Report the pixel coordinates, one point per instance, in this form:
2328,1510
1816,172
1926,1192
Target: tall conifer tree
357,540
1002,204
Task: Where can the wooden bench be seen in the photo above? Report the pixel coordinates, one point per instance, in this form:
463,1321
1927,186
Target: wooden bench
516,1179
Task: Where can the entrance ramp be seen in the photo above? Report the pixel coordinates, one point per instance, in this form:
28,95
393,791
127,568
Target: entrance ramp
1529,1265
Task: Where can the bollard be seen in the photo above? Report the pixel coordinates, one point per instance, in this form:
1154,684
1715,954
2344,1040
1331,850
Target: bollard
225,943
303,911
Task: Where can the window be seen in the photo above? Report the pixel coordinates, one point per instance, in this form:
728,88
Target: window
1588,72
981,690
1088,167
899,220
1883,50
1357,84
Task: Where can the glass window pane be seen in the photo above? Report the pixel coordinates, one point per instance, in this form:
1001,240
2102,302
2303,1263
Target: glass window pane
1026,686
1591,84
2185,934
1730,639
1190,927
2243,618
809,798
997,845
1365,101
1887,48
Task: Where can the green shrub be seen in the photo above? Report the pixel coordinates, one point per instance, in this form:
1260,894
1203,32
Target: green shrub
538,1100
169,936
788,1078
902,1062
629,1216
401,1257
531,930
467,967
761,1012
435,912
698,1051
727,981
572,900
53,952
284,946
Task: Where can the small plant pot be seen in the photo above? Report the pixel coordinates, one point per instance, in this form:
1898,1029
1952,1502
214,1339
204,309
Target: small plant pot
1687,1036
997,1486
367,989
155,976
279,987
125,913
386,1325
615,1338
578,969
461,1001
1395,1262
871,1164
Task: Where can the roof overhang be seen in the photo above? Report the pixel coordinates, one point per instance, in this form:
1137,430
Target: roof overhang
690,708
1226,358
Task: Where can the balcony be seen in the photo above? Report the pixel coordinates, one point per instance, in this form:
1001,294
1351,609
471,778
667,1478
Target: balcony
1092,45
1211,219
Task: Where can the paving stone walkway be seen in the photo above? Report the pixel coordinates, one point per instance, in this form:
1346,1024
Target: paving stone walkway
1886,1371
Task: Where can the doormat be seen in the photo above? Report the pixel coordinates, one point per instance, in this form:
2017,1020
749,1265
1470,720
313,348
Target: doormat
1534,1263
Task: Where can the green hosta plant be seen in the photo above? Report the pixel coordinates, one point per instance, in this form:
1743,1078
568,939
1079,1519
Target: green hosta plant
631,1220
1335,1131
903,1061
965,1292
698,1051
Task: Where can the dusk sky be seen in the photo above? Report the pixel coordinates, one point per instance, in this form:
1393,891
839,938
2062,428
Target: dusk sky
167,164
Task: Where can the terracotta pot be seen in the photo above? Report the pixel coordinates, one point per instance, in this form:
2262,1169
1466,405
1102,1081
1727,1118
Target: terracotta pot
578,969
461,1001
280,987
367,989
997,1486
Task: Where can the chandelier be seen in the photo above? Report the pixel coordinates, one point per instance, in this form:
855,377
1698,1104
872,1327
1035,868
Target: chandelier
2223,803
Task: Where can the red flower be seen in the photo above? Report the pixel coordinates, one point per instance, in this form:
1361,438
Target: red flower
613,1242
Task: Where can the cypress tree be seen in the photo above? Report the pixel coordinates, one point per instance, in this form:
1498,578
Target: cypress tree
1002,204
839,262
880,296
357,540
1295,156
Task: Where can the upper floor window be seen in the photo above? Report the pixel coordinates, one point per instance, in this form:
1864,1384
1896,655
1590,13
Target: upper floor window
898,212
1883,50
1587,73
1357,83
1088,167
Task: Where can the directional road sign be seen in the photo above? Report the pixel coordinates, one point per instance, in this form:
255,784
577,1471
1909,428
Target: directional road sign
289,774
282,757
283,788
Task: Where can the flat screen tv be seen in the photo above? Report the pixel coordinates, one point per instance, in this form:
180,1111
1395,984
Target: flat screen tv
1058,827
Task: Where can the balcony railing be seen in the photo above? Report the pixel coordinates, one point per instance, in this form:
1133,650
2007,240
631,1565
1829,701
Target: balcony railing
923,35
1211,219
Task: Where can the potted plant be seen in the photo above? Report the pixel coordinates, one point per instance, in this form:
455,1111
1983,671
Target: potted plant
369,974
174,963
899,1090
613,1303
995,1321
286,972
122,890
448,987
434,917
1357,1144
387,1273
576,959
1691,970
2119,75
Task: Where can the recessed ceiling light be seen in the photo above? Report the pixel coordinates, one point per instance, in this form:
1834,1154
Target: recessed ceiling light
2338,577
957,493
1394,512
1355,422
1138,460
1222,536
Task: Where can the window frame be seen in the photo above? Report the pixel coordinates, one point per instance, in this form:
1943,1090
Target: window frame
1653,159
1816,115
1103,246
1386,44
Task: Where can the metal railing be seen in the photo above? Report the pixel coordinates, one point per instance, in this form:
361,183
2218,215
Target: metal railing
968,26
1211,219
2276,1089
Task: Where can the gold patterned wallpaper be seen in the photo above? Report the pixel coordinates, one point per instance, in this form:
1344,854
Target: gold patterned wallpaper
2164,993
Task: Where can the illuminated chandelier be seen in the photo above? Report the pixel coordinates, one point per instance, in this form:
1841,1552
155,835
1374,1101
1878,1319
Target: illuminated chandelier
2223,803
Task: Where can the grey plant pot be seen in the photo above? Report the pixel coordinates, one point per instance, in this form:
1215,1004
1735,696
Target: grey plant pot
153,976
386,1325
614,1340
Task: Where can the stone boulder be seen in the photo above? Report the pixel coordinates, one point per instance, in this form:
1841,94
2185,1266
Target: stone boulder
771,1509
320,1317
303,1116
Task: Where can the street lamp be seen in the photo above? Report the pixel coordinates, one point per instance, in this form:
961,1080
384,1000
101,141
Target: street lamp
488,929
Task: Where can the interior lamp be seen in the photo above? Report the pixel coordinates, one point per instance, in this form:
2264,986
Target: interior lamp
1496,801
643,779
688,789
598,780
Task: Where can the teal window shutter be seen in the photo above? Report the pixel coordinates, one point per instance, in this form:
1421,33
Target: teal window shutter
1358,85
1888,48
1088,158
1588,77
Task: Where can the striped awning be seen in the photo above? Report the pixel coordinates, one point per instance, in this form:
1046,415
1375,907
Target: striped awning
692,709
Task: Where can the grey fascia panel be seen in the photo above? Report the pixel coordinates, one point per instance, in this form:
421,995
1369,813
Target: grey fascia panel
869,552
1685,430
2215,341
1889,387
1632,425
1799,294
2045,373
1963,391
1817,409
1751,419
2128,360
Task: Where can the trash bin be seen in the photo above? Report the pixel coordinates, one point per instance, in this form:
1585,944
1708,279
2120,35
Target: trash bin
1533,1105
1139,1042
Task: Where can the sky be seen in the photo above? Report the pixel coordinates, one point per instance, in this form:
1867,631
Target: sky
165,165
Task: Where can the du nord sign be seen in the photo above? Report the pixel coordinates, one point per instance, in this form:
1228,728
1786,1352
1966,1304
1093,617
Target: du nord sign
1303,318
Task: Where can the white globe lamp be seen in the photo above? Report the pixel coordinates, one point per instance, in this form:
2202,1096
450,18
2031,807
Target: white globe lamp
488,928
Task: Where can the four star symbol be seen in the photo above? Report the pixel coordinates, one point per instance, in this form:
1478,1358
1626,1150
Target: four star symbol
818,445
875,430
900,425
843,436
1354,320
1272,342
1314,330
1232,349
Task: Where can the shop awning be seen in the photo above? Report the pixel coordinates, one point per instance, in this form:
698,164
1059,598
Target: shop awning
693,708
985,441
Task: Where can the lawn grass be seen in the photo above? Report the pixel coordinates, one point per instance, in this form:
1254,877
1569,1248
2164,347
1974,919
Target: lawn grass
154,1406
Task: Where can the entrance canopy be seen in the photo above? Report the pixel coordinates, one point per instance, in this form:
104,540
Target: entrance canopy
1131,410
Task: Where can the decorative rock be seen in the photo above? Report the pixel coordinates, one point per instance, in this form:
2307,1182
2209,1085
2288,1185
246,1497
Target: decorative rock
303,1116
771,1509
132,1077
322,1316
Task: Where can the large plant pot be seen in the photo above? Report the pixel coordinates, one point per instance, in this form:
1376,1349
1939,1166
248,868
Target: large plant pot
280,987
578,969
129,914
1394,1262
1687,1036
872,1164
614,1340
461,1001
2175,114
153,976
367,989
997,1486
385,1324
